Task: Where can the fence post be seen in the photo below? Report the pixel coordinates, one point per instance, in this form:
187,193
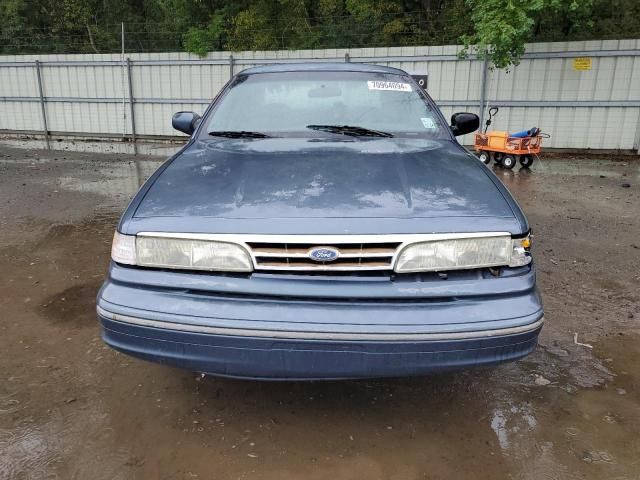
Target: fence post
131,114
636,139
122,74
45,128
483,90
230,66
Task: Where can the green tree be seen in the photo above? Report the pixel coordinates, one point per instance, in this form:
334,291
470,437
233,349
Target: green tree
497,29
502,27
211,37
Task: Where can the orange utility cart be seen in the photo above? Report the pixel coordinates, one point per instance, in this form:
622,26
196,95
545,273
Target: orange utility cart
507,150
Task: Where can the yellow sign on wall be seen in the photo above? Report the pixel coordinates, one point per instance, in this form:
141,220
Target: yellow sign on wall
582,63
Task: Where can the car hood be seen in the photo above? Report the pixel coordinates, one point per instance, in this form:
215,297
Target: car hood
252,186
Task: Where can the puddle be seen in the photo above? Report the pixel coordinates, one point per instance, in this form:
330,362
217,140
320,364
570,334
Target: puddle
113,180
67,187
74,307
35,449
28,453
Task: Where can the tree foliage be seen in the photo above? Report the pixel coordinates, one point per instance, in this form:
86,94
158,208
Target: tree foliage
497,29
501,27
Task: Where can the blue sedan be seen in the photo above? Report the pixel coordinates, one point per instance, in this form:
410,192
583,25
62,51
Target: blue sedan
322,222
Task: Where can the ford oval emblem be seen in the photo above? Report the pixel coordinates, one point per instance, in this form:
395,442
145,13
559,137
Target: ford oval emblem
323,254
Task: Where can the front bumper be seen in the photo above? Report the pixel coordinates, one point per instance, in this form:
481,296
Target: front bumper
341,328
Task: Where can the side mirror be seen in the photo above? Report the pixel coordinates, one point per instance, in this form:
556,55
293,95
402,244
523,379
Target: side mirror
185,122
464,122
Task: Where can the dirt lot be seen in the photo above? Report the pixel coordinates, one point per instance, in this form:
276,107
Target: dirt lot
72,408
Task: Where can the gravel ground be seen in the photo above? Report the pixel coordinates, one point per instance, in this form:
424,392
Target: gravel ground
72,408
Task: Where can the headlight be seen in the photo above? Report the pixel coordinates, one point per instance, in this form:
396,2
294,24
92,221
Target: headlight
520,252
463,253
181,253
123,248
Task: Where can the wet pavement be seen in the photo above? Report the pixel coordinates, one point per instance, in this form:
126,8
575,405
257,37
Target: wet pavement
72,408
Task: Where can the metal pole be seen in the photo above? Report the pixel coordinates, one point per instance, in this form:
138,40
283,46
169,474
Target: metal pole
483,90
637,142
131,115
45,128
230,66
636,139
124,112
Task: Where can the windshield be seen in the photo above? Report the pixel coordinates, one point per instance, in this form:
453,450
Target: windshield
314,103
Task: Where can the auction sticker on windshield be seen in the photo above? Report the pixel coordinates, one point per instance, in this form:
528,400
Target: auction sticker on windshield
428,123
380,85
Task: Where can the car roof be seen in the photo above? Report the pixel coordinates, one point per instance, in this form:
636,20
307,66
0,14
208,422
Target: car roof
322,67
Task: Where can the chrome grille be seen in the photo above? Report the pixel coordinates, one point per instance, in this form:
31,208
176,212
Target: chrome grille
295,256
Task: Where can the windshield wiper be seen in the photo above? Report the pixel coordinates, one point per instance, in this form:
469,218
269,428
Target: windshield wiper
351,130
238,134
